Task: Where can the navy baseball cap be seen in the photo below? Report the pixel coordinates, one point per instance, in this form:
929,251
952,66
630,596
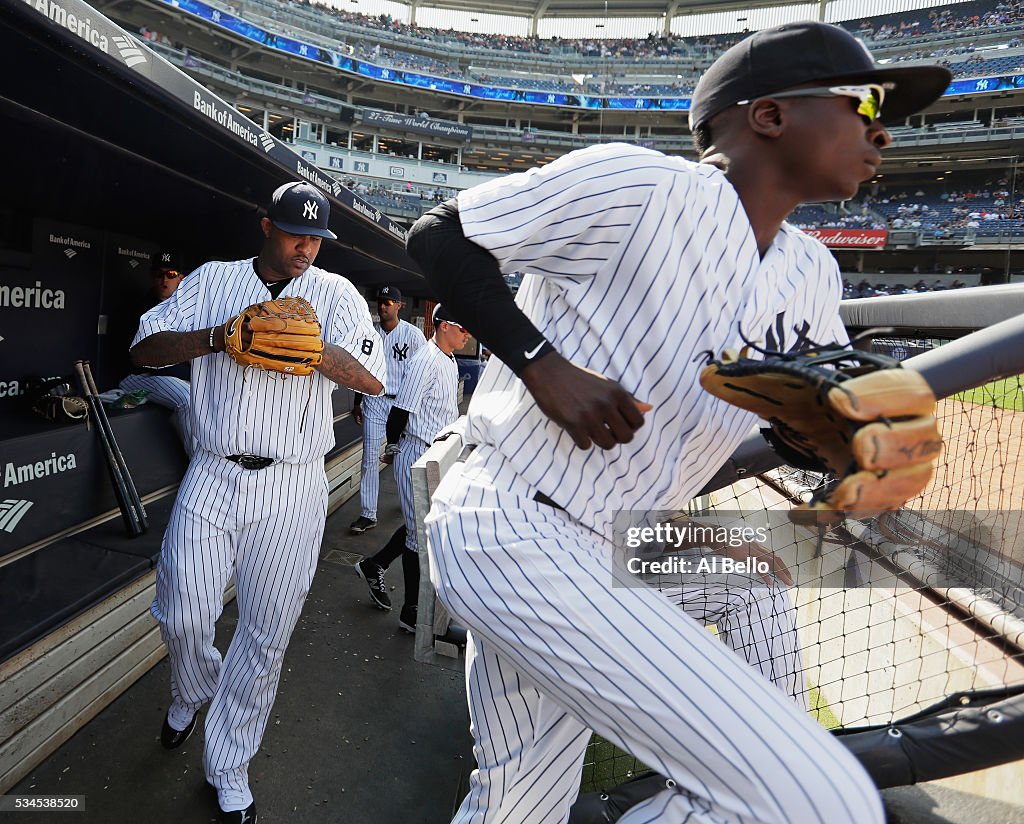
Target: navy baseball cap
441,313
790,55
300,209
389,293
165,259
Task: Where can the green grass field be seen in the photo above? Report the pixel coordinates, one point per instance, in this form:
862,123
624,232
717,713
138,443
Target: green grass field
820,710
1003,394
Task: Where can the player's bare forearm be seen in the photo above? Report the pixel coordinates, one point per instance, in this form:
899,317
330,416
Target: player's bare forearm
343,369
589,406
166,348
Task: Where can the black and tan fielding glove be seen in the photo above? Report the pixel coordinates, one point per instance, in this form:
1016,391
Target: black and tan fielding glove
857,415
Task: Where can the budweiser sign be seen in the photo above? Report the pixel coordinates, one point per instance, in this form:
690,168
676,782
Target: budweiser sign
851,238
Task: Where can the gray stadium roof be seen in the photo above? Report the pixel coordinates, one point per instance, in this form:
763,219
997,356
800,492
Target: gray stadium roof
605,8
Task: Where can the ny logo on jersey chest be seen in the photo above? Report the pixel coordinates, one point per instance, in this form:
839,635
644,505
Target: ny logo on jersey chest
776,336
400,352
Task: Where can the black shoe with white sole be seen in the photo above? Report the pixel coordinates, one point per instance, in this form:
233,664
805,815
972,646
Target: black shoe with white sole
361,524
407,618
373,574
246,816
172,738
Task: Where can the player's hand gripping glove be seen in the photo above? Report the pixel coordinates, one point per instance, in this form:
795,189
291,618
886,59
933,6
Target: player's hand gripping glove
858,415
285,337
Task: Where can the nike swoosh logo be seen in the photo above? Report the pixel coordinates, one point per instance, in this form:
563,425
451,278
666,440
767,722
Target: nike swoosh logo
533,352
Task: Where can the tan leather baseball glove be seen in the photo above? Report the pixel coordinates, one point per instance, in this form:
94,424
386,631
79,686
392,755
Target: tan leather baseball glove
857,415
285,336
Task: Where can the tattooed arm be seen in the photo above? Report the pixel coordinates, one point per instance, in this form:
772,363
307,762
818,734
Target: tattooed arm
342,368
166,348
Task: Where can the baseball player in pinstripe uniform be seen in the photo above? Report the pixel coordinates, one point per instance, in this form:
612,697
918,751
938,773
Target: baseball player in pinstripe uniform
400,340
427,402
636,263
253,501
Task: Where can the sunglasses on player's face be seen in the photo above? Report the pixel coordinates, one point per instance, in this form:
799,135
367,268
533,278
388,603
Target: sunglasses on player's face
167,274
870,97
387,303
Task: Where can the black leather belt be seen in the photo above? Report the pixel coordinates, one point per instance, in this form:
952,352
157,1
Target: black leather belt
248,461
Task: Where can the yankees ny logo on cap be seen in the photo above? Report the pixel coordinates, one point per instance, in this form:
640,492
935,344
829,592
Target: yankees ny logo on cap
301,209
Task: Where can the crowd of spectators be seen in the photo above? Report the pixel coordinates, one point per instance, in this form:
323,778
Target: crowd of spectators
976,65
153,36
653,46
936,214
941,214
817,217
949,19
399,195
976,17
865,289
683,52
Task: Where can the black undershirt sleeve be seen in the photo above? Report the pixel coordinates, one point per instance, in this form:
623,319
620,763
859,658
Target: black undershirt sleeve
468,281
397,421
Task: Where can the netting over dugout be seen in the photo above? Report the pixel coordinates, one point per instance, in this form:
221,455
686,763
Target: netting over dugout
896,613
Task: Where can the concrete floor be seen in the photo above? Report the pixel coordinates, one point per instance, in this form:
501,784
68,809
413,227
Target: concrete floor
360,733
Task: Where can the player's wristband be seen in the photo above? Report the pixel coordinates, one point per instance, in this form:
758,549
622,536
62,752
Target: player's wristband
525,355
391,449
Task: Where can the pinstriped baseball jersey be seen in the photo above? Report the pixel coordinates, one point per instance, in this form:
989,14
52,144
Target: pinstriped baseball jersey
400,344
610,234
262,412
429,392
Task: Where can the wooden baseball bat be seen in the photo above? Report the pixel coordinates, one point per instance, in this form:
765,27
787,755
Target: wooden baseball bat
133,523
133,493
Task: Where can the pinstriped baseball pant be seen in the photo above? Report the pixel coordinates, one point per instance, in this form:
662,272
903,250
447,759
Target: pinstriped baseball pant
410,449
264,527
375,419
558,650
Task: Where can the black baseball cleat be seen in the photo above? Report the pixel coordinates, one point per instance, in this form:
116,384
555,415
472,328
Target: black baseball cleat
407,618
172,738
373,574
361,524
246,816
